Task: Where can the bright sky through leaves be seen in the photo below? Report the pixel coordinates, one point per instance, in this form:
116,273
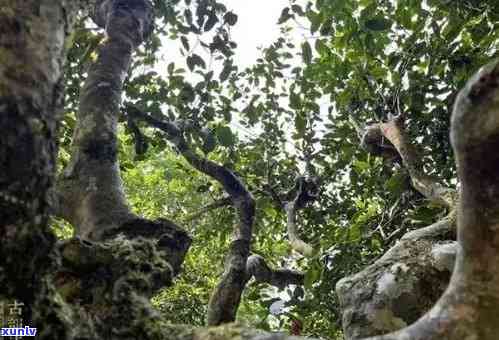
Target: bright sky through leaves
256,27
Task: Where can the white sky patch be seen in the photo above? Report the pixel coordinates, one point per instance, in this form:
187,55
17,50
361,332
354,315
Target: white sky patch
256,27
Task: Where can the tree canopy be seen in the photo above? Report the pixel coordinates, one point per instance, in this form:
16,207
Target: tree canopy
320,166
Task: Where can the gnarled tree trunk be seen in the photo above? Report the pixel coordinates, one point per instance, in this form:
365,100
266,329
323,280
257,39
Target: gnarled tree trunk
32,54
469,307
103,287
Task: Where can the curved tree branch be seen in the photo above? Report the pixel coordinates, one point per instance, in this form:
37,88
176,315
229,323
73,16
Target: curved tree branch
296,242
390,140
306,191
469,307
239,266
90,189
394,131
225,299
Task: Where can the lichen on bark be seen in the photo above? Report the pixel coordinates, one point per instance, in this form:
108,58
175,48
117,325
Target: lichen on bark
399,287
32,54
469,307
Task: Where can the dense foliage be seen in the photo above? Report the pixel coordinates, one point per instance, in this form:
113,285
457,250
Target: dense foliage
359,62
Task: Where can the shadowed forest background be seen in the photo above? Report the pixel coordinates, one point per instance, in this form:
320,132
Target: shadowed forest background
313,193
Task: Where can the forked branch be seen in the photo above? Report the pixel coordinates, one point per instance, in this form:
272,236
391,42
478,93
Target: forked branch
225,300
306,190
390,140
239,267
470,305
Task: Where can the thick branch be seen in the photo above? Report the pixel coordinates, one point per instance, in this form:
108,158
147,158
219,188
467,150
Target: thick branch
296,242
402,285
90,188
412,160
225,300
306,191
398,143
469,307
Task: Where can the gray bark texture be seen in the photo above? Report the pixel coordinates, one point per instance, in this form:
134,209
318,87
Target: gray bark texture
90,189
469,306
402,285
32,54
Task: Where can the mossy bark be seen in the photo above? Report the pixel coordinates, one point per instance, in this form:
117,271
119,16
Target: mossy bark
90,188
32,54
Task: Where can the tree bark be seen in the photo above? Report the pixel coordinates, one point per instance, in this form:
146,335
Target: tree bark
90,188
469,307
402,285
405,283
32,53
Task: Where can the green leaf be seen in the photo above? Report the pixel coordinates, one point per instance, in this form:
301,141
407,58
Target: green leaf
188,16
230,18
327,27
294,101
321,47
285,16
378,24
209,141
171,68
306,51
298,10
354,232
225,136
185,42
300,125
212,20
195,60
396,183
315,20
224,75
360,166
